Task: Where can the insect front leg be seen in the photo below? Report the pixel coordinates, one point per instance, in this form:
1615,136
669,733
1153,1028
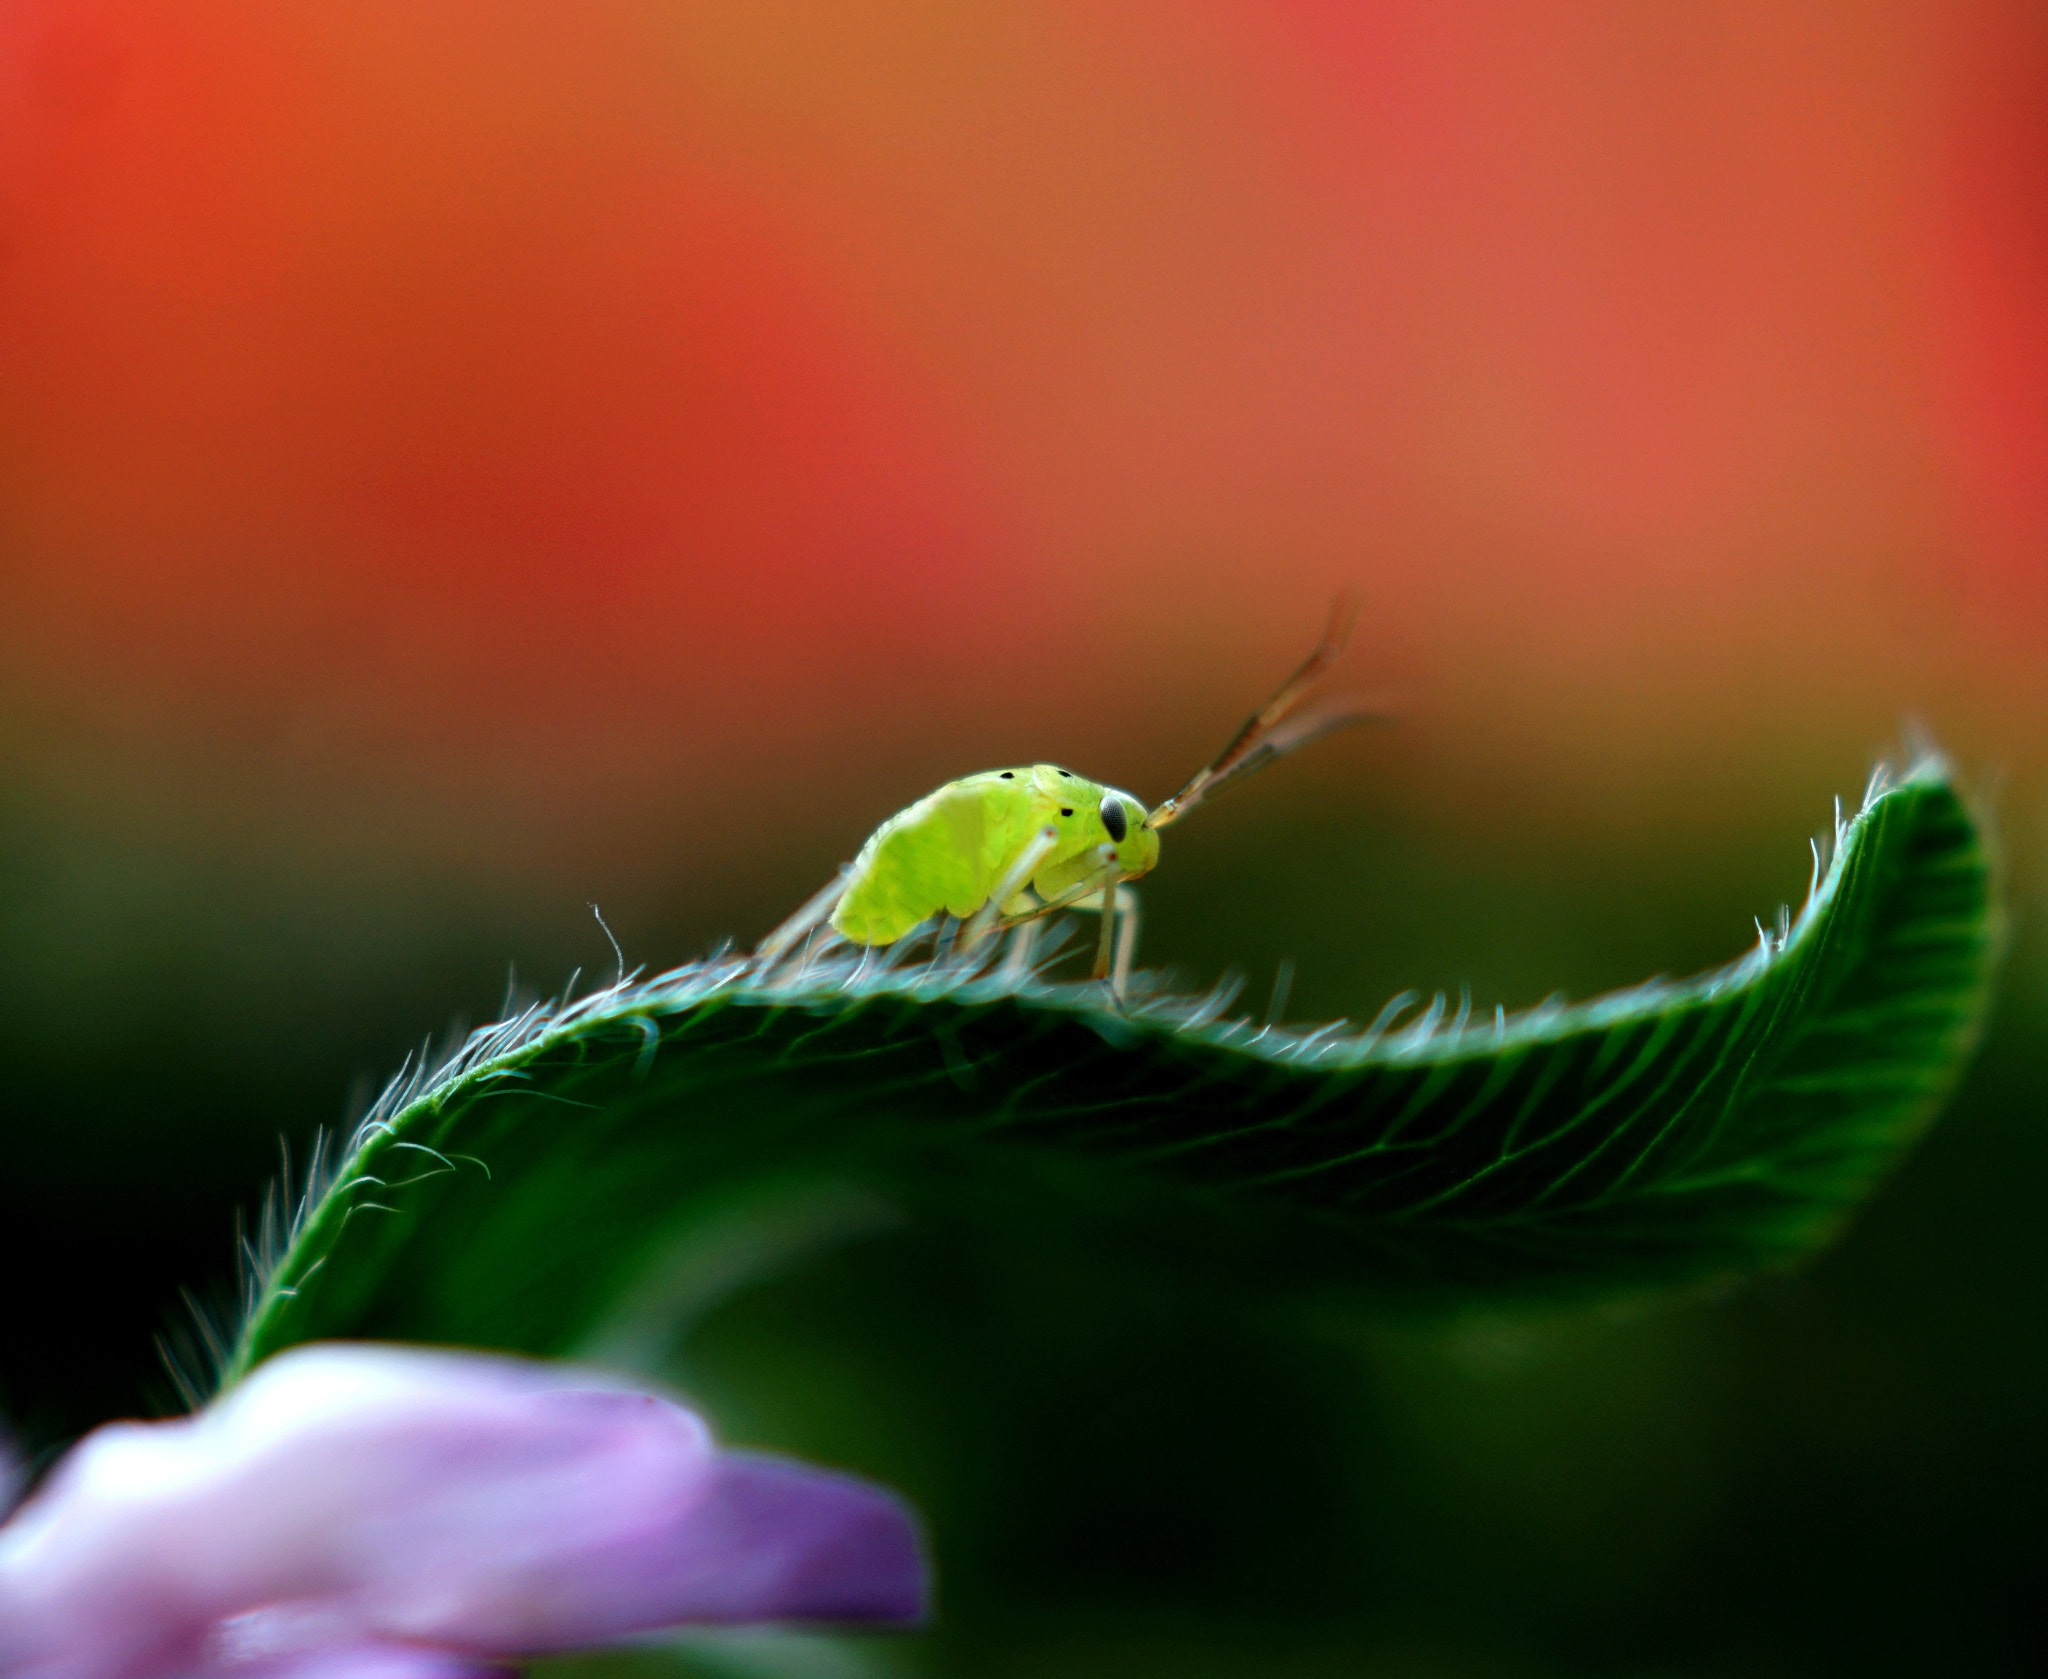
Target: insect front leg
1104,881
1105,941
1127,940
1100,881
1119,941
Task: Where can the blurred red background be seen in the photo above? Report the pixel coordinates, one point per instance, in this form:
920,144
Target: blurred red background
499,438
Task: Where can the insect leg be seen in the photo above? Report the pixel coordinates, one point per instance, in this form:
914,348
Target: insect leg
1101,880
1127,939
1105,941
1017,961
815,908
1006,888
1105,881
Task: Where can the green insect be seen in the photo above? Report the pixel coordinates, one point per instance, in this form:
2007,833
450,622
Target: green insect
1008,847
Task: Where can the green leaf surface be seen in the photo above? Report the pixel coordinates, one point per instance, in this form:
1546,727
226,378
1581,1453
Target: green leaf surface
581,1178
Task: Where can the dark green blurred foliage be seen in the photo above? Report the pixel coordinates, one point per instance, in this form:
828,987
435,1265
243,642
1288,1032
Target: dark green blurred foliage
1840,1473
1129,1472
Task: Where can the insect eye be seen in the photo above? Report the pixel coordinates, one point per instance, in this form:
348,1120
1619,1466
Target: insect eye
1113,817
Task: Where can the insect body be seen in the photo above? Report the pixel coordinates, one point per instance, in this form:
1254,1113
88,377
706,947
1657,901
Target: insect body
953,849
1007,847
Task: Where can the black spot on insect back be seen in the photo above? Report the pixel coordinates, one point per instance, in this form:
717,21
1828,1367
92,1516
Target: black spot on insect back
1066,810
1008,775
1113,817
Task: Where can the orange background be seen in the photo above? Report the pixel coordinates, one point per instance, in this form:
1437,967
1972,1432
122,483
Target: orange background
499,456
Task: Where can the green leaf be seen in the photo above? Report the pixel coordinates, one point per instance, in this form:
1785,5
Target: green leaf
588,1174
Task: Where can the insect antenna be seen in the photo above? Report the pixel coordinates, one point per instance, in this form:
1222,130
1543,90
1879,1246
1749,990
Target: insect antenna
1268,734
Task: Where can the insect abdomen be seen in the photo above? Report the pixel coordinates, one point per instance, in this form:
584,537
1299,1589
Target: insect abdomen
943,853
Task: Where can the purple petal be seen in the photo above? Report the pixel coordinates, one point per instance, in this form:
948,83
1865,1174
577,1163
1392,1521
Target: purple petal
358,1661
387,1495
377,1661
773,1540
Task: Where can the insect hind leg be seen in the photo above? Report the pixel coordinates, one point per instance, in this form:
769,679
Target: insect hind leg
820,904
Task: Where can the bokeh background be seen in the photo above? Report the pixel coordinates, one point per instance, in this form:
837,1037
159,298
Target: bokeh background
460,462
